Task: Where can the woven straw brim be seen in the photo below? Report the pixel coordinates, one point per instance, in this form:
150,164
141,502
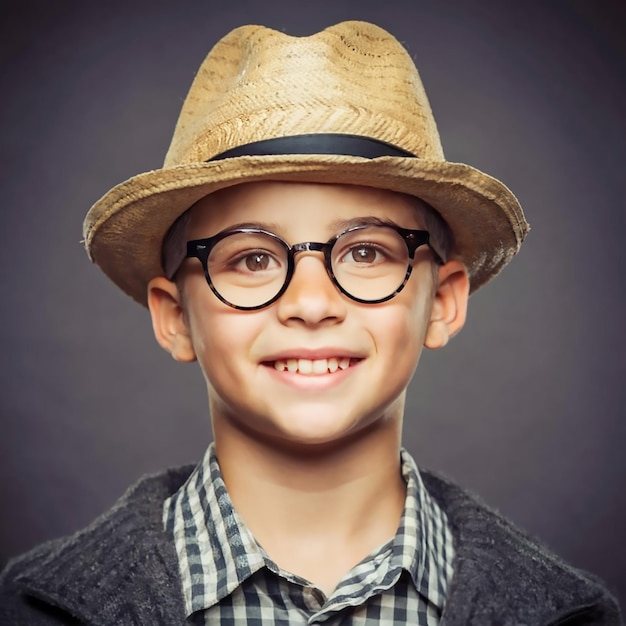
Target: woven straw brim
124,230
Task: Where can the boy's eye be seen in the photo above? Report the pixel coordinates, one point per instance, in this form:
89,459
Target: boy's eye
249,256
254,261
258,261
363,254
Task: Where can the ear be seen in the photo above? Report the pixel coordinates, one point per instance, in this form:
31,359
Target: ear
449,308
168,319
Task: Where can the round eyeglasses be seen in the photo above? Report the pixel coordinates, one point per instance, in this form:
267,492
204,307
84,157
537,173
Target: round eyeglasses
250,268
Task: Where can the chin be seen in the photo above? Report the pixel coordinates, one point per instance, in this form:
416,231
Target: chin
312,435
309,431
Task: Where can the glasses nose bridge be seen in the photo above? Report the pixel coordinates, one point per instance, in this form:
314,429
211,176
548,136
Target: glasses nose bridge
311,246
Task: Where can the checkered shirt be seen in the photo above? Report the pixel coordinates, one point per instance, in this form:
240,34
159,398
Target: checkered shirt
228,578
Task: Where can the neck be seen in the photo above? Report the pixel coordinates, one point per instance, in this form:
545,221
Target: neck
303,504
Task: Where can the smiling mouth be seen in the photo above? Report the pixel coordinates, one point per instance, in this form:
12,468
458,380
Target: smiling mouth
315,367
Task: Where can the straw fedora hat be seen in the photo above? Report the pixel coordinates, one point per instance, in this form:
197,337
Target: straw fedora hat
345,105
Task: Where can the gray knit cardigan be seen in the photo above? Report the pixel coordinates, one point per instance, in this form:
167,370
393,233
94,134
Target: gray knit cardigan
123,570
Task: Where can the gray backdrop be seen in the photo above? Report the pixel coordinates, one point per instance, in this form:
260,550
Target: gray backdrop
524,407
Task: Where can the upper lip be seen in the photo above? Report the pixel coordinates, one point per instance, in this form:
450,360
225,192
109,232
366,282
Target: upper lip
313,354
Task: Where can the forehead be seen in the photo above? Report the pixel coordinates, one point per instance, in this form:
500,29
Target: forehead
287,208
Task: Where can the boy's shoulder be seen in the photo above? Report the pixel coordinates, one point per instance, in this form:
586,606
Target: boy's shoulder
512,573
123,569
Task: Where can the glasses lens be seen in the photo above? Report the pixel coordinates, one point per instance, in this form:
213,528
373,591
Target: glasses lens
370,263
248,269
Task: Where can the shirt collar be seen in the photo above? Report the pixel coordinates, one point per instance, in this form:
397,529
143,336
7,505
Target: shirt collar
423,544
217,552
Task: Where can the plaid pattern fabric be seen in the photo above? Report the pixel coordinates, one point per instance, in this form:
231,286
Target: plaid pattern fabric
228,579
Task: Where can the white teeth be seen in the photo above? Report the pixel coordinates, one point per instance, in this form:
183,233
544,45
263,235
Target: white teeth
304,366
318,366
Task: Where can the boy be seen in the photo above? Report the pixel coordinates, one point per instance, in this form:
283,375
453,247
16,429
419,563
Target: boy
304,240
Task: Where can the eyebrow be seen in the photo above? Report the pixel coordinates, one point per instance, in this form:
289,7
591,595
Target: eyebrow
271,226
336,226
341,225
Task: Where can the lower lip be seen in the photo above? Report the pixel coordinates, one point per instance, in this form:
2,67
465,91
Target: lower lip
313,382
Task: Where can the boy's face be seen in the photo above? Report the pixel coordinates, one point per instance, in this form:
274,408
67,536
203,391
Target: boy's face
378,344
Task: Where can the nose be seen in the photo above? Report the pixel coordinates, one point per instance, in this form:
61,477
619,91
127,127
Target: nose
311,297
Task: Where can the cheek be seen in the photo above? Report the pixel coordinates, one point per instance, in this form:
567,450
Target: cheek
402,332
406,321
223,338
